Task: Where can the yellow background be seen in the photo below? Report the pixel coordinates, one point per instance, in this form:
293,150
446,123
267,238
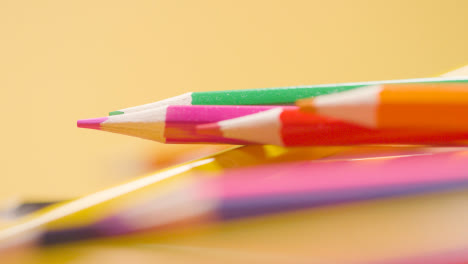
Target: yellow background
65,60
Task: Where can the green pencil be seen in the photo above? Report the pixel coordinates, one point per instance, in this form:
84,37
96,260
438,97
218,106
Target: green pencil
272,96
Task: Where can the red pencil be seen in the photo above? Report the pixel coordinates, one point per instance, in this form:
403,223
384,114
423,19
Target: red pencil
292,127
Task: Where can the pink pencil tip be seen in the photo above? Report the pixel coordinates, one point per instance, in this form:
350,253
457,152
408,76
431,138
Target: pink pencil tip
93,123
210,129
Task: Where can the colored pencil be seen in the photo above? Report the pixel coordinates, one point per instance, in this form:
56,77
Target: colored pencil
16,209
453,256
171,124
272,96
278,188
292,127
462,71
425,106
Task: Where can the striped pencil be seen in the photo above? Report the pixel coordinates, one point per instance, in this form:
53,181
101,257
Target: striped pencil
248,192
424,106
171,124
273,96
292,127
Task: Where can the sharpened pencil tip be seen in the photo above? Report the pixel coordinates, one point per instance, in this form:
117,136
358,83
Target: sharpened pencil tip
209,129
116,113
306,104
93,123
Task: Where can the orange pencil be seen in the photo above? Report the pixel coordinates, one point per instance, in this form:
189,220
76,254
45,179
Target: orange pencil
292,127
441,107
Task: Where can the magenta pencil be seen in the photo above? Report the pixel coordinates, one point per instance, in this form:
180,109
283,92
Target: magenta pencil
172,124
271,189
339,176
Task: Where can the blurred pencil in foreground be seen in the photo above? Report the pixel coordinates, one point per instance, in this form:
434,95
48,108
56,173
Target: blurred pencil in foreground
292,127
442,107
273,96
14,209
171,124
278,188
410,221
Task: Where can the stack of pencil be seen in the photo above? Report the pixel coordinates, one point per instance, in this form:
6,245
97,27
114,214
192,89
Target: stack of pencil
267,204
427,111
377,174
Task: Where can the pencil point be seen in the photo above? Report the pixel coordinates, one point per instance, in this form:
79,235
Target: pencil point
116,113
209,129
93,123
305,104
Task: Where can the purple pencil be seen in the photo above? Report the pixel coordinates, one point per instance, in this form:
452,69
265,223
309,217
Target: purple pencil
172,124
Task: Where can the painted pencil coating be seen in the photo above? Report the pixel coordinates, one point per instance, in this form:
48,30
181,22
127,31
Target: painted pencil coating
311,176
255,206
303,129
273,96
430,106
292,127
291,186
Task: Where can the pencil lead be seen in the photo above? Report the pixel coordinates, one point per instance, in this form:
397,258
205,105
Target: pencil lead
305,104
209,130
93,123
116,113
